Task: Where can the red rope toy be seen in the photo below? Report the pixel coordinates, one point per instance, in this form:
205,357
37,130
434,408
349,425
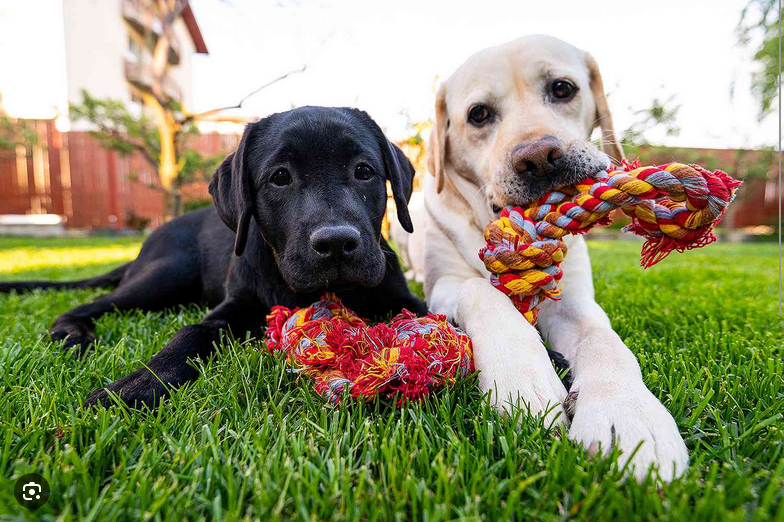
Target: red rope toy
409,356
674,206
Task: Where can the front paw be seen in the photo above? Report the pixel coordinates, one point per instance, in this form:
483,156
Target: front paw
75,335
512,362
609,414
138,390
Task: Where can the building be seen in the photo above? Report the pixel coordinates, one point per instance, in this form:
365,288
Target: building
52,49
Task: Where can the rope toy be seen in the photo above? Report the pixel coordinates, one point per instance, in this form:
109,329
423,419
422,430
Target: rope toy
410,356
673,206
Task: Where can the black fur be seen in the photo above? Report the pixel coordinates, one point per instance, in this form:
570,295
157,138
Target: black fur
263,254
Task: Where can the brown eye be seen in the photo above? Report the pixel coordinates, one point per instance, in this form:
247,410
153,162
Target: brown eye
479,115
363,172
280,178
562,90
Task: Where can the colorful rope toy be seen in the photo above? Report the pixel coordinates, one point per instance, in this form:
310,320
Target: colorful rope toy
409,356
673,206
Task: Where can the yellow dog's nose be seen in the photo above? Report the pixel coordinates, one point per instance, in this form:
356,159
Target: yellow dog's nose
538,157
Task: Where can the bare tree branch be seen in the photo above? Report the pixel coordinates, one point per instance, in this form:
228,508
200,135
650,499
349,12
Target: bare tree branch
210,115
210,112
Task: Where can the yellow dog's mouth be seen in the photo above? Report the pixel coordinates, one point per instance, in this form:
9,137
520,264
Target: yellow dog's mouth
513,186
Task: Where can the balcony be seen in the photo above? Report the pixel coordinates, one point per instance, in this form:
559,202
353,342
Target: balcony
144,21
140,74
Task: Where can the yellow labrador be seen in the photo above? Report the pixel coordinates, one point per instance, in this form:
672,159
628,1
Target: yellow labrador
511,123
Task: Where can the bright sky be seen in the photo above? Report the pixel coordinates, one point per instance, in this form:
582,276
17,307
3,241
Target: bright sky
386,57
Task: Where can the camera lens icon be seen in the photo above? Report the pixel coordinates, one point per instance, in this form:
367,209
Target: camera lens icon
31,491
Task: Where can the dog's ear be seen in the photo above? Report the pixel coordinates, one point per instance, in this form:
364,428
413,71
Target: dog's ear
231,192
401,177
610,144
436,148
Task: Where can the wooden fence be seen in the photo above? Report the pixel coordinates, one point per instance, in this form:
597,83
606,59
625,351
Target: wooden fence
70,174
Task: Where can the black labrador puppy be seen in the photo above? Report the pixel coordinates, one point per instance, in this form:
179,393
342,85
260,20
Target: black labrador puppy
298,212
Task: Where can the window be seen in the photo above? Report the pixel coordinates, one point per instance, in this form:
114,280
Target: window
134,50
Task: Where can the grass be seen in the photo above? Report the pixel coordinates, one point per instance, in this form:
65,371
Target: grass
249,440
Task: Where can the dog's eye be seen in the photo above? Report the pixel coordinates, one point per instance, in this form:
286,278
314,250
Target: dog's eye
479,115
363,172
562,90
280,178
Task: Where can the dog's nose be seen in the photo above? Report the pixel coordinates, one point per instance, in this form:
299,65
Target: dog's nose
538,157
333,241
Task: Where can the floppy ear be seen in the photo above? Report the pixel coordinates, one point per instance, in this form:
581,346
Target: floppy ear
230,190
610,144
401,177
436,148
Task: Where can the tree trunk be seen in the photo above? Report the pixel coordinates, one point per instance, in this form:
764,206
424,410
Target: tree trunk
167,165
160,61
168,169
174,202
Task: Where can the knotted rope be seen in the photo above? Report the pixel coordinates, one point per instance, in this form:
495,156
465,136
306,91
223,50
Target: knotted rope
409,356
674,206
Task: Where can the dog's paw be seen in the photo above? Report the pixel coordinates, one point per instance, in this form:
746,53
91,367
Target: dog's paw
607,415
138,390
512,361
74,335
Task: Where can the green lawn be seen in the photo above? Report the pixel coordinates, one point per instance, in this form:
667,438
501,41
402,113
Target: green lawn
249,440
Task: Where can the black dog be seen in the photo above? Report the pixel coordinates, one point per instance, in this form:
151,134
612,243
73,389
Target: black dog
298,212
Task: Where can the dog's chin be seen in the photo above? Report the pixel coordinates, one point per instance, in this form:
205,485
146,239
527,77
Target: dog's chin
515,196
336,277
519,192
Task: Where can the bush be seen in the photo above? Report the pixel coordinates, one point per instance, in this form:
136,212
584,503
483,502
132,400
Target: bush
196,204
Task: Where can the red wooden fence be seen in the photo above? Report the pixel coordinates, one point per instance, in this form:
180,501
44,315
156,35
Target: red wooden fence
70,174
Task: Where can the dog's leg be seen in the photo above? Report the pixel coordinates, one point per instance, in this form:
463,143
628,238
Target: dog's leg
509,353
171,367
613,406
161,284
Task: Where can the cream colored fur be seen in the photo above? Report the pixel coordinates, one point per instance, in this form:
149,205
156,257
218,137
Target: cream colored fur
470,167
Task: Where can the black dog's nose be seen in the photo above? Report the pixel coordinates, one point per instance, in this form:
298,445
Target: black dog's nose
335,240
538,157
